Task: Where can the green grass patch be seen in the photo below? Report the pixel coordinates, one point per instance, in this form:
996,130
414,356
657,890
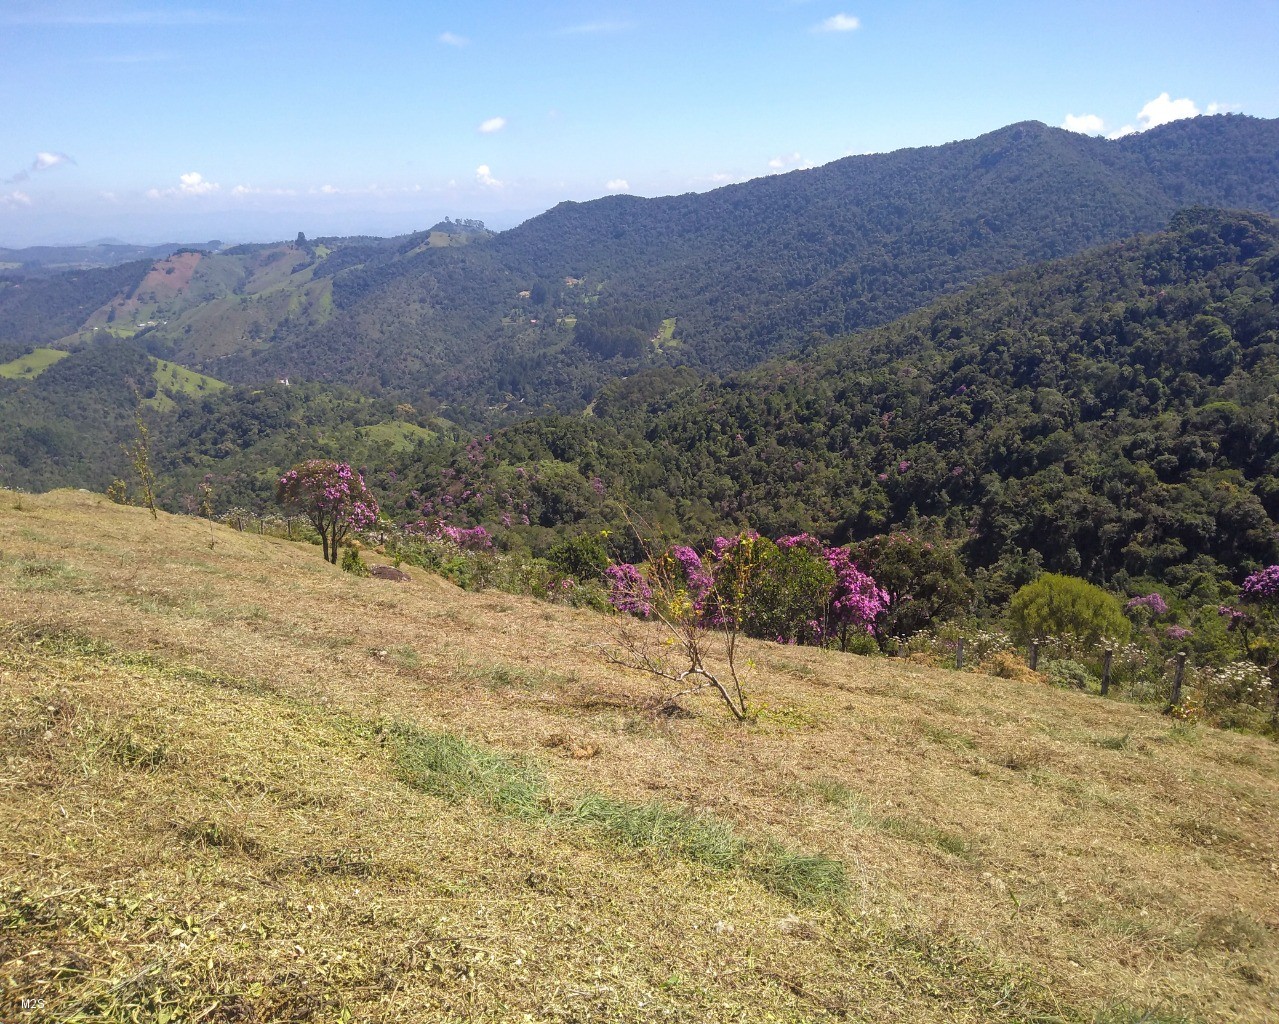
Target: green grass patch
401,436
665,337
31,365
457,771
924,834
801,877
172,379
672,830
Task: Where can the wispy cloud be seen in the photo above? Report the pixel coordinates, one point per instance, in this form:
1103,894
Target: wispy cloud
839,23
453,39
14,198
240,191
789,162
484,175
493,124
44,161
596,28
617,185
157,16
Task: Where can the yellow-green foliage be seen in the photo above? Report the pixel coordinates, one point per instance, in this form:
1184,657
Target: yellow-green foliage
1057,606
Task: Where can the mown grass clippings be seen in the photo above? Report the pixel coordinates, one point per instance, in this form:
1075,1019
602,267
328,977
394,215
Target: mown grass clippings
468,914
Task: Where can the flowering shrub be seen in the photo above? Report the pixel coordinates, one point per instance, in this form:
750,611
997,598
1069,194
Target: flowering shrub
1263,585
332,497
628,590
1153,603
794,591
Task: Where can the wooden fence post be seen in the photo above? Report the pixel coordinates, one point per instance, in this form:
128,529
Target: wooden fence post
1034,655
1176,680
959,653
1105,672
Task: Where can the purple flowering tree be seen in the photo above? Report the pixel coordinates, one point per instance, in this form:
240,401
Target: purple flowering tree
857,601
1261,592
332,497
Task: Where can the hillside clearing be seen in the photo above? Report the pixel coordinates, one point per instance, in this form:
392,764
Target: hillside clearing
239,785
32,364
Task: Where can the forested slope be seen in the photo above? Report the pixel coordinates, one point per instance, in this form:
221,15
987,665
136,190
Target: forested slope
1113,412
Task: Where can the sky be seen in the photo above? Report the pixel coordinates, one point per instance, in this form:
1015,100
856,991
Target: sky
251,121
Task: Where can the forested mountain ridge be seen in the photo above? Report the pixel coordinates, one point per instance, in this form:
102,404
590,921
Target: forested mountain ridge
750,270
550,311
1111,414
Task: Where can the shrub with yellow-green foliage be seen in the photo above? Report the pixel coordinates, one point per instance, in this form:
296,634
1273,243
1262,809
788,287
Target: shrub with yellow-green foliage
1055,605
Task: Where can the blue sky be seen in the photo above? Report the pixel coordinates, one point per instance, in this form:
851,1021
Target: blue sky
245,121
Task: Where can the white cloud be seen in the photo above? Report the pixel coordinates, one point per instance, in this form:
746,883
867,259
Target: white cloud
453,39
839,23
493,124
1163,108
44,161
193,184
15,198
780,163
617,185
1086,124
190,184
485,177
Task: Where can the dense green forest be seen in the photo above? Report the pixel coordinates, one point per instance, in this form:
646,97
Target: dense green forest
1111,415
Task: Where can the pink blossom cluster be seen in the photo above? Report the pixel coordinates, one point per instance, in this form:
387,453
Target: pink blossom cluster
696,576
857,600
628,590
1178,633
1263,585
330,489
474,538
1154,602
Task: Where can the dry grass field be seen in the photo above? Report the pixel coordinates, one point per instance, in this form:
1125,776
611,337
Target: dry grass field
239,785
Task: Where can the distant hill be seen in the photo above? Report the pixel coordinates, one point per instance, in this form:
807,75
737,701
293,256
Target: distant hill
104,252
550,311
754,269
